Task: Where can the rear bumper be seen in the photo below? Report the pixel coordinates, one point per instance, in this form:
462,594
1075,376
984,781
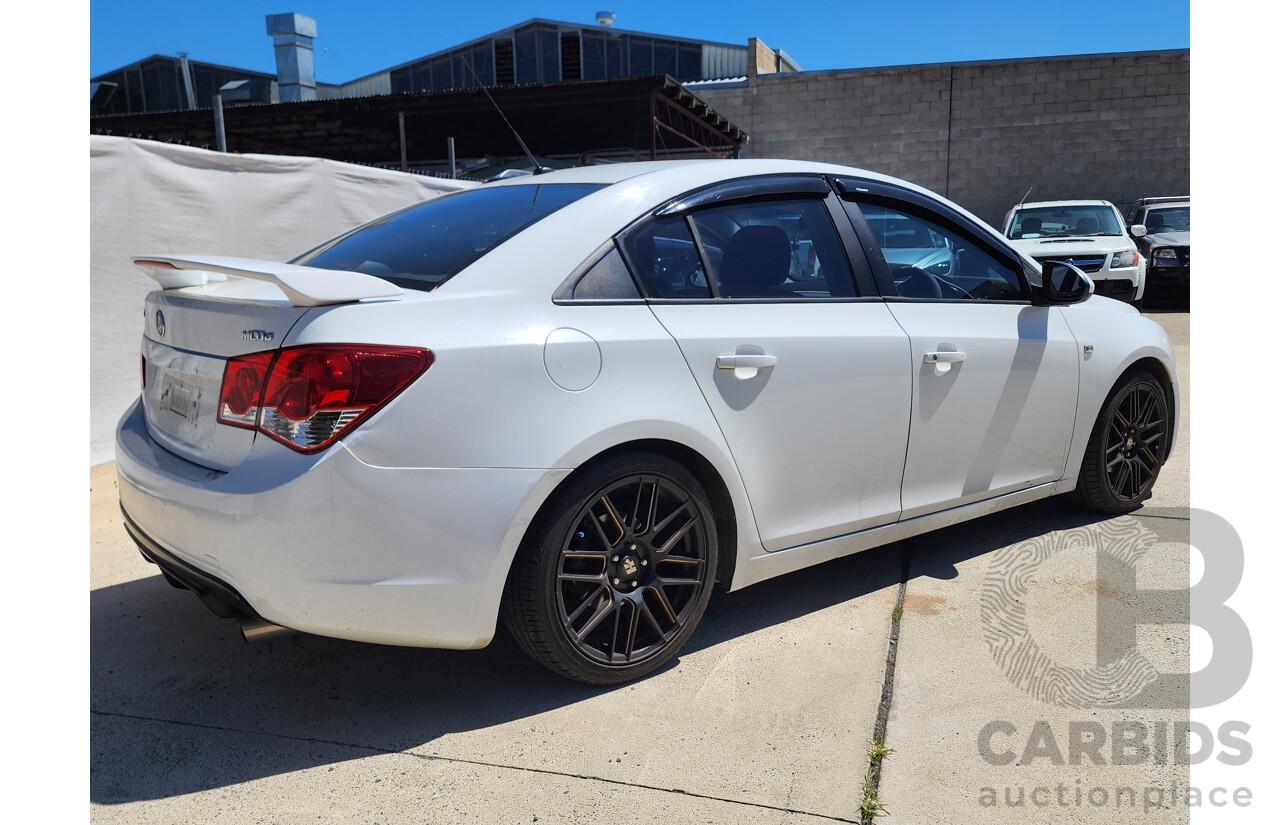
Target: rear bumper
331,545
221,597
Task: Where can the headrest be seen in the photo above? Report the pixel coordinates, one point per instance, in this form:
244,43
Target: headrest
757,259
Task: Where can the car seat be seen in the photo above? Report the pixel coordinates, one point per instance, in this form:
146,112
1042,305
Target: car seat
756,263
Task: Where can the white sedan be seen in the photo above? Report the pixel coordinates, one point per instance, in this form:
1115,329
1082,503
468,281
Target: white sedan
575,401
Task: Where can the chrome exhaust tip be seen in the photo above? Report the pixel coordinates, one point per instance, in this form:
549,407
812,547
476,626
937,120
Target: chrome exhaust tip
256,630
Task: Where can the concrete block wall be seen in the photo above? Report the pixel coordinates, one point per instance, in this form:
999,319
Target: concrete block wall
1099,126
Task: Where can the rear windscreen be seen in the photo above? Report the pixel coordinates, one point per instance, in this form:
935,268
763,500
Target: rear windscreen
422,247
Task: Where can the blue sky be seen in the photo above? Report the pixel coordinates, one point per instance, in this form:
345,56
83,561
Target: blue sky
356,39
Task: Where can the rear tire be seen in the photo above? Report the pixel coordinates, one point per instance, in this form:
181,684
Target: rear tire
615,572
1127,446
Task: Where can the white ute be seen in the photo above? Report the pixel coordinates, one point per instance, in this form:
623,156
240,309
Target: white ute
1086,234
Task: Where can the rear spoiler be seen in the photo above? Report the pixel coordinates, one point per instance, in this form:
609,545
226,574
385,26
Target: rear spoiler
304,286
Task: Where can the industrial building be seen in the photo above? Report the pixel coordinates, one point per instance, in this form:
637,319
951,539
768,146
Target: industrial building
574,92
1113,126
533,52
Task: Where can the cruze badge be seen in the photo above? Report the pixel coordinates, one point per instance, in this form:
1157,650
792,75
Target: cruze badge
159,323
256,335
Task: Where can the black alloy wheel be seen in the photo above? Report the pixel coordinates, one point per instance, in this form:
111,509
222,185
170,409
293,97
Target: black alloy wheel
1127,447
614,576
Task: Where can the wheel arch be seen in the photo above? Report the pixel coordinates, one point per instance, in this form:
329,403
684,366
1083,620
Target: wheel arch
1095,487
718,495
1095,391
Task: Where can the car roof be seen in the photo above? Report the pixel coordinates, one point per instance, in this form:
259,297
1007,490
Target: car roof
1039,204
611,173
604,173
676,175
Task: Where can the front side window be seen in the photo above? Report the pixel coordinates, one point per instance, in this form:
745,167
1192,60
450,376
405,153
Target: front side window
928,260
1064,221
424,246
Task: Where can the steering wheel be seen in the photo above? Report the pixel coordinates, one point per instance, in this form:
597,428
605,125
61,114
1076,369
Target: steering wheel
950,290
915,283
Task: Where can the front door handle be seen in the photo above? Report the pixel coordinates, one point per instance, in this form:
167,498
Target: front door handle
943,359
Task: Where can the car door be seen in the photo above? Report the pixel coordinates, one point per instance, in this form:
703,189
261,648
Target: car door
807,374
994,377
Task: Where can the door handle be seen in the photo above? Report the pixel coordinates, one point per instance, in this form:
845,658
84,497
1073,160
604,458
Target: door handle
747,365
737,362
943,359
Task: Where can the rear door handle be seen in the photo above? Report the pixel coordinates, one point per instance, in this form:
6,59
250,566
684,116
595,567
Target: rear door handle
747,365
943,359
737,362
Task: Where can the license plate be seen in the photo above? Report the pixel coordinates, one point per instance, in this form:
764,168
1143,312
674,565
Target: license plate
181,405
180,398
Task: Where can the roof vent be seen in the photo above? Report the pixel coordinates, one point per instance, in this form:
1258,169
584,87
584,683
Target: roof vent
605,18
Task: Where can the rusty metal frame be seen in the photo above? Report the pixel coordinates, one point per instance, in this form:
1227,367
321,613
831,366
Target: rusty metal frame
699,126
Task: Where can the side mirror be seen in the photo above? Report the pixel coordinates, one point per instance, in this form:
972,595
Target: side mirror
1138,230
1064,283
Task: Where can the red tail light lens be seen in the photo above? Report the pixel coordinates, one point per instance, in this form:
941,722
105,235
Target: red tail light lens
242,384
307,397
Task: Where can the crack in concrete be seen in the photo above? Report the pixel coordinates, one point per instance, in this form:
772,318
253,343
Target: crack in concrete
874,766
477,762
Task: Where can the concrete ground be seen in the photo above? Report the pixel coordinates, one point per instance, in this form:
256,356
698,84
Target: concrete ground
765,717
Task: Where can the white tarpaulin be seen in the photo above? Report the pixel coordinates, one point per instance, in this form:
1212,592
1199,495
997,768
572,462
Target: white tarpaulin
149,198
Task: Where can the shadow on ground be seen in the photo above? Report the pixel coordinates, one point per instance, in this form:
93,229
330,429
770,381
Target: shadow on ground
159,658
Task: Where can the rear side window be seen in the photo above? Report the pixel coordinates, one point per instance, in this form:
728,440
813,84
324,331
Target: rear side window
424,246
666,259
774,249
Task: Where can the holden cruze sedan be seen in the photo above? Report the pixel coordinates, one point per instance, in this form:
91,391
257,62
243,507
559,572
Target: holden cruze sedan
576,401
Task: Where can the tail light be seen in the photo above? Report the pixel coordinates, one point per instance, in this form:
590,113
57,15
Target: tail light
307,397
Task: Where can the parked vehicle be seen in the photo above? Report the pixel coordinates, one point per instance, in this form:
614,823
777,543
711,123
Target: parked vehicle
576,401
1088,234
905,242
1161,228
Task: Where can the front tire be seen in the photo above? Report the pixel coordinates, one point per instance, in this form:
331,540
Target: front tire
1127,447
616,571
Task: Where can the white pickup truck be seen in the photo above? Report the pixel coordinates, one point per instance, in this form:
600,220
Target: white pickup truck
1089,234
